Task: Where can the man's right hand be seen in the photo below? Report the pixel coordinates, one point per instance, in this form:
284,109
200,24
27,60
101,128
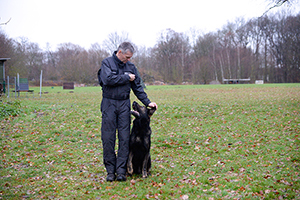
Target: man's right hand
132,77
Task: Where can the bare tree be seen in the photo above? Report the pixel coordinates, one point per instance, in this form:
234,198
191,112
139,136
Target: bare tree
114,40
204,59
6,45
34,60
95,56
71,62
171,54
50,71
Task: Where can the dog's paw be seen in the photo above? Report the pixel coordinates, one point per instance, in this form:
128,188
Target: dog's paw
145,175
130,170
130,173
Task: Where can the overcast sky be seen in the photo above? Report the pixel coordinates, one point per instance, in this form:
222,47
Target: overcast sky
84,22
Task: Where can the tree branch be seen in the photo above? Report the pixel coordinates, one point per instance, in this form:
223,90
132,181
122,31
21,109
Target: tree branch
277,4
5,23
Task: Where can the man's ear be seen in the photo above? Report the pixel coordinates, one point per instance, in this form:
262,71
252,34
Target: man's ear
151,111
135,113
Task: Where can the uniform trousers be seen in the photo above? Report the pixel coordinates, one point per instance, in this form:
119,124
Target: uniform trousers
115,116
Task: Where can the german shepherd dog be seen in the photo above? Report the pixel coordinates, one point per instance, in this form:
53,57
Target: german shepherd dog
139,160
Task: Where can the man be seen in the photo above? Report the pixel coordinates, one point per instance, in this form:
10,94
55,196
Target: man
117,76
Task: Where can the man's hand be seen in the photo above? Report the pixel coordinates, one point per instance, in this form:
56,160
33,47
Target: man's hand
132,77
153,105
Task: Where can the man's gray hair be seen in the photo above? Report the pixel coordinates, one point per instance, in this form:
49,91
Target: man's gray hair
125,47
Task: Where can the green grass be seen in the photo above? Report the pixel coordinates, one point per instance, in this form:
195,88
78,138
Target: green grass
211,141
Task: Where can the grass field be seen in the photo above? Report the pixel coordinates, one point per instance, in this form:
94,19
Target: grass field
208,142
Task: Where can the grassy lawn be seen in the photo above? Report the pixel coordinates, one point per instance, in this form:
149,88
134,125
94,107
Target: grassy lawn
208,142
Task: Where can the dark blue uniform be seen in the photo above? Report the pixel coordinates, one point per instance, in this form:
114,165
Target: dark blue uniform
115,108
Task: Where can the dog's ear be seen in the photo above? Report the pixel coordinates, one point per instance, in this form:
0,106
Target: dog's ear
135,113
151,111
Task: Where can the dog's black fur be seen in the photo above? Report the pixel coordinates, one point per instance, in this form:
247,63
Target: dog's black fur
139,161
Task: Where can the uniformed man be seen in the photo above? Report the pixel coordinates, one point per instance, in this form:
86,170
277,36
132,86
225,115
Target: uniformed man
118,76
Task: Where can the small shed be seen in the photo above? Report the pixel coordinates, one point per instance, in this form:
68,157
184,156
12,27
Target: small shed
2,74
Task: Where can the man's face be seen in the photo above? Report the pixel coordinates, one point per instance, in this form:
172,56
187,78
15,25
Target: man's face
124,57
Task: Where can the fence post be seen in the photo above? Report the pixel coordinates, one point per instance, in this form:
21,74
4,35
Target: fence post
18,83
16,87
7,86
41,80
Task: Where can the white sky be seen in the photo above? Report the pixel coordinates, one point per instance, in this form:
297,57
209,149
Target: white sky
91,21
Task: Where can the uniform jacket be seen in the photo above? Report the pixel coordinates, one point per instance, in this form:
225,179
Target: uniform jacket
114,79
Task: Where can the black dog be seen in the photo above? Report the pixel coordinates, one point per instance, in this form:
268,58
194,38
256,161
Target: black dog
139,161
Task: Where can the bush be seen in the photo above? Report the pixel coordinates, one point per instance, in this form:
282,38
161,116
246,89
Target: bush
9,109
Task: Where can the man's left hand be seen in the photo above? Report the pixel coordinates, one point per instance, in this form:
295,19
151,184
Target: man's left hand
153,105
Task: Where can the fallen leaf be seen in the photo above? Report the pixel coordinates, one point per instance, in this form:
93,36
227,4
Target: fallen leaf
184,197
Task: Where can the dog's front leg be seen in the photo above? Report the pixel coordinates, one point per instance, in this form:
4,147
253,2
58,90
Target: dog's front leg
145,164
129,163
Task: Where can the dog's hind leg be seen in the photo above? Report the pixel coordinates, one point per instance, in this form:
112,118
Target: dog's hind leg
145,165
129,163
149,166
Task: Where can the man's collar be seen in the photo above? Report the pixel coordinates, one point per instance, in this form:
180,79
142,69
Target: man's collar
120,63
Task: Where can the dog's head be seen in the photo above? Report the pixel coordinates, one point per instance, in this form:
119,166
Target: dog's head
141,112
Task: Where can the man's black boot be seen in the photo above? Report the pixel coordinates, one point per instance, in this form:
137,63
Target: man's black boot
110,177
121,177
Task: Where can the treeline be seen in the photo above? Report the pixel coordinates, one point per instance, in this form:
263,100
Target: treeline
265,48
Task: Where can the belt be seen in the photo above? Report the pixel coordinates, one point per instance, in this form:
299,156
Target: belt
114,97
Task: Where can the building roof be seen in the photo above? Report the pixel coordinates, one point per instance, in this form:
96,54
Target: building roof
4,59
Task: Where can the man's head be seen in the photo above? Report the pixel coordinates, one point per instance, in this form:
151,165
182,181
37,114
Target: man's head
125,51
